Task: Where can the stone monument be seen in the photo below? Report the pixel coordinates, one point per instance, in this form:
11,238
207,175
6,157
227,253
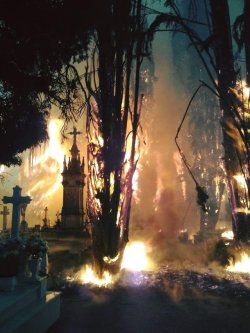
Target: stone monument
73,184
17,201
5,212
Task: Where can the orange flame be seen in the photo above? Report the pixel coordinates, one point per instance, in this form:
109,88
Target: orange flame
134,259
240,266
42,180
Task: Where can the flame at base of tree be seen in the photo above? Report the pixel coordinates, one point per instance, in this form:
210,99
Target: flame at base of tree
134,259
110,189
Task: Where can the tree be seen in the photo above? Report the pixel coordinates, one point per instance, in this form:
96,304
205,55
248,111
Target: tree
203,117
38,39
112,126
216,55
45,46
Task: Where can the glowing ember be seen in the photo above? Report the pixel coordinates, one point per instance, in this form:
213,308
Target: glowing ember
246,90
135,257
135,185
241,181
240,266
88,276
228,234
180,172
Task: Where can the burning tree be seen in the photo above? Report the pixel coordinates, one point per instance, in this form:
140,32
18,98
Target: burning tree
216,55
43,69
112,126
204,130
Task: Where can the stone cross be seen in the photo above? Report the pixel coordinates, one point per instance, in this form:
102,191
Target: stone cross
74,133
17,201
45,220
5,212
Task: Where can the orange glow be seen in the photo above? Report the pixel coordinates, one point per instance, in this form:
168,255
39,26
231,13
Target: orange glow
135,257
241,181
240,266
88,276
228,234
41,178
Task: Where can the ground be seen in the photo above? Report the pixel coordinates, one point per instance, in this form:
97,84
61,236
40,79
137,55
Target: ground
166,300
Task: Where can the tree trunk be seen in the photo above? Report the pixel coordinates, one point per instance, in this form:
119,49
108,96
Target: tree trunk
247,39
226,81
110,175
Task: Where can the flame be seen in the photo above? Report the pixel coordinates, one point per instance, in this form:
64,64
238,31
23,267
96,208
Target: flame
135,185
180,172
88,276
245,90
228,234
241,266
241,181
42,180
135,257
2,169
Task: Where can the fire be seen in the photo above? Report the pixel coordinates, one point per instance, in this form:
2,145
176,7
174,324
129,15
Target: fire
241,181
245,90
42,180
88,276
180,172
135,185
241,266
228,234
135,257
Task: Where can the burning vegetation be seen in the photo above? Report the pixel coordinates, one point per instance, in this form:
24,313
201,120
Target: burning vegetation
106,84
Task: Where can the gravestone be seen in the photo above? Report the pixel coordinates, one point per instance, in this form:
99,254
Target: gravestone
5,212
17,201
46,221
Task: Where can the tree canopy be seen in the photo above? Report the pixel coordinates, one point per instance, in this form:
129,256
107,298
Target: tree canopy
38,39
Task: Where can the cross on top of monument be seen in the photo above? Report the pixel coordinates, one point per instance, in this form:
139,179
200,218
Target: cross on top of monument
16,200
75,133
74,149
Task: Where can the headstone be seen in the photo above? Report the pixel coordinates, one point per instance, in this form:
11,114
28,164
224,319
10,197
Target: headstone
46,221
17,201
37,229
5,212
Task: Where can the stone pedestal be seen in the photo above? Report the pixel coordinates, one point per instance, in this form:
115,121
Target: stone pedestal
29,308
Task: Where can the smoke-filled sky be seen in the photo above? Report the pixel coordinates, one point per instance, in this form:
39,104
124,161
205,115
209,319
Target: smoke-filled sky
163,204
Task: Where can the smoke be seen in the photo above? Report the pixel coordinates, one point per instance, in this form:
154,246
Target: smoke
161,196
